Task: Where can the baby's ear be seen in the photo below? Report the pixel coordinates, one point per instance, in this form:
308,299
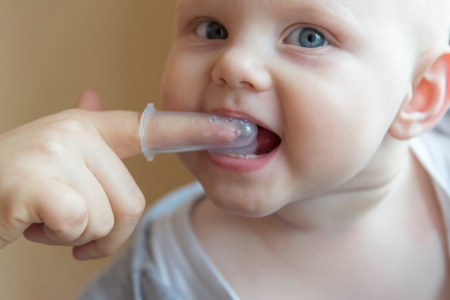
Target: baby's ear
426,104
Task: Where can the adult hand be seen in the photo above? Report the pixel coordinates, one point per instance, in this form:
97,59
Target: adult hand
62,181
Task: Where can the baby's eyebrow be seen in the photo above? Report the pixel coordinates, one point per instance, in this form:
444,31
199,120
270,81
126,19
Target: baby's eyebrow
328,13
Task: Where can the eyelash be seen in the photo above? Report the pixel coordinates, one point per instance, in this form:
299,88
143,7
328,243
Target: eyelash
321,31
193,25
197,22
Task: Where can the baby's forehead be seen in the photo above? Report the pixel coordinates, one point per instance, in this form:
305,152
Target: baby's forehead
360,9
356,5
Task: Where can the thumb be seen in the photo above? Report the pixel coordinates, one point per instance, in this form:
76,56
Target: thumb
89,100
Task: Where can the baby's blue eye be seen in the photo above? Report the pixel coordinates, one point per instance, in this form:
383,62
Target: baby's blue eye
211,31
306,38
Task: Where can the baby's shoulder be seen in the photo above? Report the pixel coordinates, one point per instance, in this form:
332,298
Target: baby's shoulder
432,150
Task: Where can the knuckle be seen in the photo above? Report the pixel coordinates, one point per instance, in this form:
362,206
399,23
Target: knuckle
102,229
78,216
74,214
60,137
70,126
132,211
137,206
54,149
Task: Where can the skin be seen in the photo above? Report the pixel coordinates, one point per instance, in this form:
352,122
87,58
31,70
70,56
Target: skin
343,175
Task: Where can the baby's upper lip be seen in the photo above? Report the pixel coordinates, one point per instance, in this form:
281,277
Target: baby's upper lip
241,115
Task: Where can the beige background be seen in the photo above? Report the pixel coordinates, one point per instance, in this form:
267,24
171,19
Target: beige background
50,50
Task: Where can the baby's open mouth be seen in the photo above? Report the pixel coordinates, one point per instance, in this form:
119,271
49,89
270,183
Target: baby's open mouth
266,141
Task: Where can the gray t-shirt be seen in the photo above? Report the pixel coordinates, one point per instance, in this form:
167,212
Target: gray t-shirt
141,272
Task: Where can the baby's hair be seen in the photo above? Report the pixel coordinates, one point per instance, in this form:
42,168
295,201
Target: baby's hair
429,21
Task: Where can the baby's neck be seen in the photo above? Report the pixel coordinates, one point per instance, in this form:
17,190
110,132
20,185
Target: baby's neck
393,176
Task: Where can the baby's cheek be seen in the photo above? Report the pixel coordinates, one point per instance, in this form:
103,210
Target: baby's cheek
183,83
327,142
324,161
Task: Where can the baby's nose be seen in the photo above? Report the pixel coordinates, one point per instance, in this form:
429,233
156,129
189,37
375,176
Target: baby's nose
240,67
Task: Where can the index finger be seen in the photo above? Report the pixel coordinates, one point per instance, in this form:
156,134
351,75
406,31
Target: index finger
163,132
119,130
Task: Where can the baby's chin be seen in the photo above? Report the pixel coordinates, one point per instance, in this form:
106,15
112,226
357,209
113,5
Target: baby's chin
229,193
256,195
242,200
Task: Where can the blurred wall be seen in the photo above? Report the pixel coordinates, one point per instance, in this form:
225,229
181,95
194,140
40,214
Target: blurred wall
50,50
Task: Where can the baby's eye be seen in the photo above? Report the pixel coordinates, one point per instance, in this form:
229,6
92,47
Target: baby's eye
211,31
306,38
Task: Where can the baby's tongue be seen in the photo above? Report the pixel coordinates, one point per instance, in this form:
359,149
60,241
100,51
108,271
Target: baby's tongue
267,141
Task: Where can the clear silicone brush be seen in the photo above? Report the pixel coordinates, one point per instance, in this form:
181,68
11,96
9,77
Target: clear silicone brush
164,132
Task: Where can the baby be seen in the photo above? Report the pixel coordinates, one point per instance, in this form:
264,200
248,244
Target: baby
342,199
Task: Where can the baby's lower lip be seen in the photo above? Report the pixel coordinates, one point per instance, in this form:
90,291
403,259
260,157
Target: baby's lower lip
242,164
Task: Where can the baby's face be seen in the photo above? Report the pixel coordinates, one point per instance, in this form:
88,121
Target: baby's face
326,77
